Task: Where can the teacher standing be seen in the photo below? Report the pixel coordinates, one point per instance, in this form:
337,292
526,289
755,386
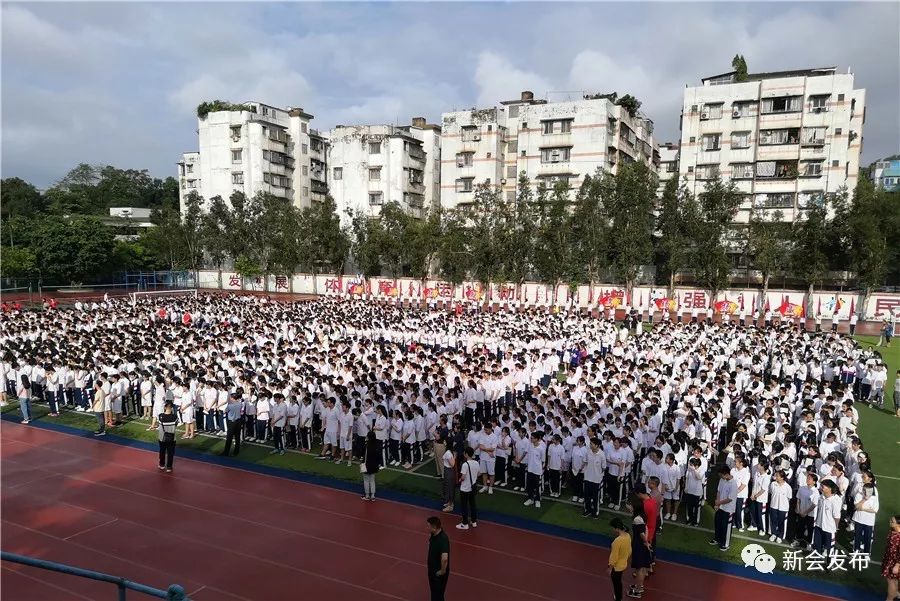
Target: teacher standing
168,422
438,559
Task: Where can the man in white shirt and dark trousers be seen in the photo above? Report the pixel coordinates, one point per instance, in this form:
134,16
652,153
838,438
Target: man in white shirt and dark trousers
828,515
468,474
725,505
234,420
534,471
595,464
278,415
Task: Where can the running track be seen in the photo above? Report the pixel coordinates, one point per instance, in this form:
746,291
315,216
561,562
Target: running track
229,534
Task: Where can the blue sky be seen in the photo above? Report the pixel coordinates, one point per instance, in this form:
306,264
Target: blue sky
117,83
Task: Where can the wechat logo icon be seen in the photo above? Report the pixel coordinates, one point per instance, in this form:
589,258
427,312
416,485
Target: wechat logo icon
755,556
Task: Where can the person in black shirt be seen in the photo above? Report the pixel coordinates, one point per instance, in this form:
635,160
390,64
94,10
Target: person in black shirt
168,422
438,559
441,436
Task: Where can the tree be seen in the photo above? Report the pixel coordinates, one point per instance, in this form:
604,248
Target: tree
675,227
452,251
393,247
809,252
323,243
366,235
631,210
247,267
768,244
553,255
591,231
872,233
423,242
18,197
740,67
213,228
717,205
631,104
163,240
484,252
190,230
72,249
18,263
516,233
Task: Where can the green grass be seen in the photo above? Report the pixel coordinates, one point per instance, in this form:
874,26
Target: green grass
558,513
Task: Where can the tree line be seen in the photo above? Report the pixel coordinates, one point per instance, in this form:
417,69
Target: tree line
615,227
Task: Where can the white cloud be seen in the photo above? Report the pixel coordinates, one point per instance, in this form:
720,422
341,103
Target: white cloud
498,79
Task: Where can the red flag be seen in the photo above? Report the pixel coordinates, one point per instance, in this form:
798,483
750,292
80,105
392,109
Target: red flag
852,305
741,298
766,308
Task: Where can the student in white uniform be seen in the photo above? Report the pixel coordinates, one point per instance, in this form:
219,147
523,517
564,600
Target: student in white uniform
780,495
807,502
487,447
534,470
828,516
693,491
726,494
865,505
468,475
579,461
594,468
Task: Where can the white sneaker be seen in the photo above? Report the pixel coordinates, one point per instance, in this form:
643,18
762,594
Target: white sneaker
482,489
474,525
772,538
528,502
740,529
490,490
537,504
611,505
574,499
778,540
462,527
762,532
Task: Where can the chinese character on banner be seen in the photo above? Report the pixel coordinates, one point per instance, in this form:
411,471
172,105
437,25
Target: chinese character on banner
815,562
859,560
695,300
886,306
333,285
507,292
444,289
234,281
258,281
281,282
387,288
792,561
837,560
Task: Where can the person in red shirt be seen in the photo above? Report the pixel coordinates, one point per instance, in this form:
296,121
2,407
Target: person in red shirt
651,513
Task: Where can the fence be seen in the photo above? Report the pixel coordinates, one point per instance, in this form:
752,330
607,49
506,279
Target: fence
174,593
828,304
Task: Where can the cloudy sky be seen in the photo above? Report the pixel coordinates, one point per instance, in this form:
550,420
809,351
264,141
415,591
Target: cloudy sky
119,83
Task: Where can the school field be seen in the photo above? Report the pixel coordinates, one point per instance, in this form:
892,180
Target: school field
879,429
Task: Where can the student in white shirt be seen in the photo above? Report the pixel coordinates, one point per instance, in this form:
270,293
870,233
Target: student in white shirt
278,417
828,515
594,468
780,495
487,447
579,461
448,484
305,424
693,490
554,465
865,505
726,494
263,410
293,423
534,470
670,479
467,476
345,433
759,496
807,501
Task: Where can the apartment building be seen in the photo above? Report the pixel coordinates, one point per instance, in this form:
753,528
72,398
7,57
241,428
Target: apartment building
256,148
786,139
667,167
549,141
886,173
371,165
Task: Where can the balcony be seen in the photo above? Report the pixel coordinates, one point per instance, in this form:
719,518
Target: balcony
776,170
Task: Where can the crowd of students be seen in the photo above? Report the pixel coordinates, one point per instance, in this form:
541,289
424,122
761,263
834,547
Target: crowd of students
554,404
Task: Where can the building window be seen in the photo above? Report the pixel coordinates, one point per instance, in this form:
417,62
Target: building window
338,173
692,139
740,109
192,183
376,198
742,171
523,154
559,126
711,111
465,184
237,177
818,103
840,97
236,133
236,156
671,167
740,139
511,194
304,149
374,147
811,169
303,127
712,142
707,171
772,137
813,136
305,170
512,146
189,168
375,174
776,169
470,134
785,104
514,111
305,192
555,155
267,177
783,200
489,155
265,110
835,163
511,171
465,159
838,131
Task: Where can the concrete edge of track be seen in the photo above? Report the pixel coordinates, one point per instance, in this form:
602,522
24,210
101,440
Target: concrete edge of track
705,563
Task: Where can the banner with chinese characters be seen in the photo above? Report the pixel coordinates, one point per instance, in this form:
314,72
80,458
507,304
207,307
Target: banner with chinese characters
232,281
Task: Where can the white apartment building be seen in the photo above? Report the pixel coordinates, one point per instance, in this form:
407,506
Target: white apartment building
371,165
258,149
786,139
668,163
549,141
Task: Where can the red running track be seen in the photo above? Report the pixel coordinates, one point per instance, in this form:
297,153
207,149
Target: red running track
230,534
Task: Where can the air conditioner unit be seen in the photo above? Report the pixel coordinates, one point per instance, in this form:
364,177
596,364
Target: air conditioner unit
693,108
554,156
736,113
476,137
819,109
460,163
704,114
235,138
